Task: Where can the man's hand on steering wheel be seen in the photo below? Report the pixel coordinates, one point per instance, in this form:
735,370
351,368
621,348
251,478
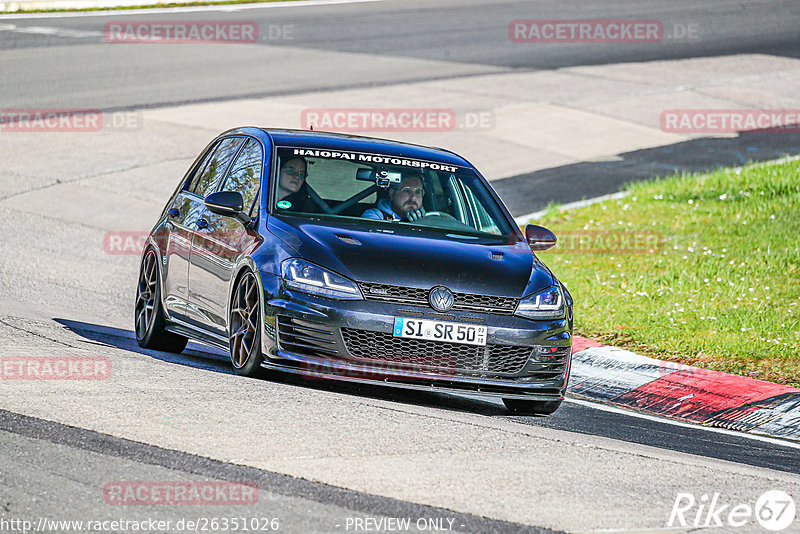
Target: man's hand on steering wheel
415,215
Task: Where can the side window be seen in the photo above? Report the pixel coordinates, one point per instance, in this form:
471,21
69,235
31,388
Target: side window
191,184
457,200
482,218
245,175
216,167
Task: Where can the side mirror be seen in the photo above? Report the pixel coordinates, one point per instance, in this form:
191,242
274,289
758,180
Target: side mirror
539,237
227,203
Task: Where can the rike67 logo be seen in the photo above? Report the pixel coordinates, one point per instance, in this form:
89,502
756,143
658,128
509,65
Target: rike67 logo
774,510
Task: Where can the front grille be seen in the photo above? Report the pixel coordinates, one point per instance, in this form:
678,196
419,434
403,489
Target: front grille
441,316
419,297
550,362
441,357
469,319
306,337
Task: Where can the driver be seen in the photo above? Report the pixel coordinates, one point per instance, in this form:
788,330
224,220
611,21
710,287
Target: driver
404,202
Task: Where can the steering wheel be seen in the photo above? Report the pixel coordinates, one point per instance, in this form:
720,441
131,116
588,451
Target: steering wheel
438,214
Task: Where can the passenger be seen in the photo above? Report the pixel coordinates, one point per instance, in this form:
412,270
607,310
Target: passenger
292,186
404,202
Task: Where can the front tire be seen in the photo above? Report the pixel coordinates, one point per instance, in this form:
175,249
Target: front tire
149,315
244,327
531,407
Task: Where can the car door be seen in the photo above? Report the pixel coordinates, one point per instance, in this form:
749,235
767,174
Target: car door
179,237
220,241
206,183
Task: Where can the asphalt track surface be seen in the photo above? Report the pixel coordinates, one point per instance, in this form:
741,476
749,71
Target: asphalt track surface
572,416
48,467
391,43
299,505
471,36
57,471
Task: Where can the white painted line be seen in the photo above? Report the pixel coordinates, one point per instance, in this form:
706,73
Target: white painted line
690,528
188,9
56,32
631,413
607,372
524,219
780,420
785,159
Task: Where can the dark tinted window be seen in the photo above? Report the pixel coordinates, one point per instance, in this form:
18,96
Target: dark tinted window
217,166
245,175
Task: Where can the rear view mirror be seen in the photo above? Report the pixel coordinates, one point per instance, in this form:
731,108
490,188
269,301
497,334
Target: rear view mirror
539,237
367,175
381,178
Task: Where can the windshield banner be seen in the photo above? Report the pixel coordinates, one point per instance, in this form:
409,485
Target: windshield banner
374,158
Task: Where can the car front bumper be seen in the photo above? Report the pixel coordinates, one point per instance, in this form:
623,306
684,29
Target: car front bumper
352,341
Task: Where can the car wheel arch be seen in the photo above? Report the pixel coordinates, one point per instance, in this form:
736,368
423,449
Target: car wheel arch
243,265
153,245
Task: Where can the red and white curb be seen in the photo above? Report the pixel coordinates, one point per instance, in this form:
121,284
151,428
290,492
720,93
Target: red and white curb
617,376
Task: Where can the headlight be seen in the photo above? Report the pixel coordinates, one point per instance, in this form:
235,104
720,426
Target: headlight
309,278
547,304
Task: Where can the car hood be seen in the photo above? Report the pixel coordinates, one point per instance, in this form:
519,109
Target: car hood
415,257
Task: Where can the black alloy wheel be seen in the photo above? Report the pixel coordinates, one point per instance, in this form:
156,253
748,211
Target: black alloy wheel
148,314
245,331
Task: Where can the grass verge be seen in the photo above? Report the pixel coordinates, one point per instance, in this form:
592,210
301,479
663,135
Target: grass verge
699,269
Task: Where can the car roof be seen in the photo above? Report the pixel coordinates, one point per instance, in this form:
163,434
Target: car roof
355,143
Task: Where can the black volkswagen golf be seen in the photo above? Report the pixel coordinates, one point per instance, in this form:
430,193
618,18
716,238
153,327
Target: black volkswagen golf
350,258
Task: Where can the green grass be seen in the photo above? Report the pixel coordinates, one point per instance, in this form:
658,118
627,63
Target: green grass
158,5
713,280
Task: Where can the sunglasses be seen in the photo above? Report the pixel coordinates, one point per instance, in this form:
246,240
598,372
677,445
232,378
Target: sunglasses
300,174
420,192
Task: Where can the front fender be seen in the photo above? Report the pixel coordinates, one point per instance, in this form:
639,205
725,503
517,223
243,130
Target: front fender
244,264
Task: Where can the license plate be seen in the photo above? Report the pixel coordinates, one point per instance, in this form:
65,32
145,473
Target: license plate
439,331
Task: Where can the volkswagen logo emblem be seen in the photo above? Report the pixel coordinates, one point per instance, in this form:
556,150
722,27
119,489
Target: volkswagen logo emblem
441,299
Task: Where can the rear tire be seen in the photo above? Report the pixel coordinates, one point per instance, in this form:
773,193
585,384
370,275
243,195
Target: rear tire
531,407
244,325
148,321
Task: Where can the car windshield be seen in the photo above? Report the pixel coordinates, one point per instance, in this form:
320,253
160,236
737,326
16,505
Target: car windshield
380,189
